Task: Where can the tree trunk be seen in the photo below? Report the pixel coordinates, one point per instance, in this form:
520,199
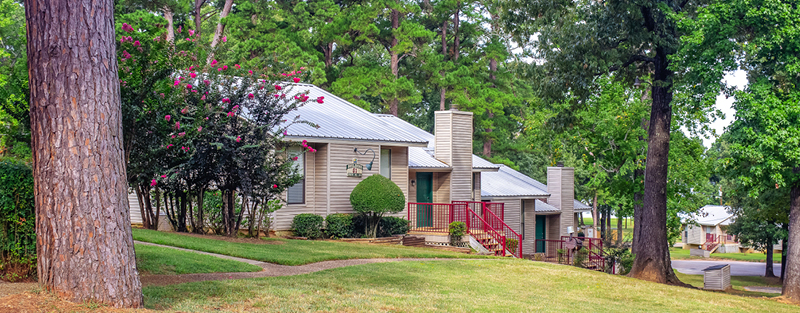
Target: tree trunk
157,217
395,59
170,25
444,60
783,257
594,214
144,215
770,272
220,28
652,261
198,17
791,282
456,44
83,227
619,229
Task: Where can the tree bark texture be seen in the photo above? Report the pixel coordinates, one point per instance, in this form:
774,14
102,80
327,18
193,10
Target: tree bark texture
84,244
220,28
619,228
652,261
791,281
444,59
395,60
594,214
198,17
770,271
168,15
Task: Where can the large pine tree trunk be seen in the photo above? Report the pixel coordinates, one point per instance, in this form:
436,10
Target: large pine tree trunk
791,281
84,244
652,261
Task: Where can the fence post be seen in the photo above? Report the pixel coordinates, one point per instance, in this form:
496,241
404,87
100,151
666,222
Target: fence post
409,214
451,214
467,217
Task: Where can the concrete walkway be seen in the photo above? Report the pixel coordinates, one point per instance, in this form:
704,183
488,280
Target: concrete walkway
764,289
738,268
269,269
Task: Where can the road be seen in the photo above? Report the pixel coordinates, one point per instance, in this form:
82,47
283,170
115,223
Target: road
738,268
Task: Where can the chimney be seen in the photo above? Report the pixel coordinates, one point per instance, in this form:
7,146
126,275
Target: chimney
561,187
453,146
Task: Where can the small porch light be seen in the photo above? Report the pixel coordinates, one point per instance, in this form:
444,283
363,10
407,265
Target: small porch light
368,166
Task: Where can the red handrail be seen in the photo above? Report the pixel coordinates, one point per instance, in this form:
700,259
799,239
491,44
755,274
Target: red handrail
487,229
505,229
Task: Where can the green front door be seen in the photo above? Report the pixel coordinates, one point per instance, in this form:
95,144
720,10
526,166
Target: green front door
424,195
540,232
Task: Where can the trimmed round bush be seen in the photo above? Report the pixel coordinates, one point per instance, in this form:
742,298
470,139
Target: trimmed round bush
307,225
339,225
375,196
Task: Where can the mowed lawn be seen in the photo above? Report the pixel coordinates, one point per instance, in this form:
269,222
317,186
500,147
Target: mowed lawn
293,252
152,260
737,282
499,285
683,254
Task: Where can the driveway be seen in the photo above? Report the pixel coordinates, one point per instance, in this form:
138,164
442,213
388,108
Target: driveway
738,268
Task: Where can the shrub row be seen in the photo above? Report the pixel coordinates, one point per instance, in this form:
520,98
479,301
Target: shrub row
17,222
341,225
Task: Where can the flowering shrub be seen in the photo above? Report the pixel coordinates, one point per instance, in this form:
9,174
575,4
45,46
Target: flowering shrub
198,125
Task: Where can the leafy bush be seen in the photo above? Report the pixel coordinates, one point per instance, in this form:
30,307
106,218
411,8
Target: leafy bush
17,222
391,225
512,244
623,256
457,230
307,225
375,196
339,225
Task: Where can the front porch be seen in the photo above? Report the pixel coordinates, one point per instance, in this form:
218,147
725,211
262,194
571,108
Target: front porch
483,220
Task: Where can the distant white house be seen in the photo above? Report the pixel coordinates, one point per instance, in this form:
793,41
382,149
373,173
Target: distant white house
707,229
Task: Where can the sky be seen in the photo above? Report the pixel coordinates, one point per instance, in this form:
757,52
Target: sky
739,79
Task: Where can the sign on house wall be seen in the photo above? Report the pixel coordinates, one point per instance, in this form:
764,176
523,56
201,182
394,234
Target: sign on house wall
354,169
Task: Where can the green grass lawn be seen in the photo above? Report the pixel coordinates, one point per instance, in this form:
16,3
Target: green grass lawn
737,282
293,252
683,254
450,286
152,260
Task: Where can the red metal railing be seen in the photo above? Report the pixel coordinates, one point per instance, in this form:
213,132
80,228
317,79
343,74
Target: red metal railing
596,257
555,251
480,207
436,217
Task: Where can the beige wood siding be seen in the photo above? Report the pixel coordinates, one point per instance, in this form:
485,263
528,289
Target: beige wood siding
412,189
476,186
529,241
284,216
321,173
341,185
400,173
135,210
441,187
512,213
695,235
461,176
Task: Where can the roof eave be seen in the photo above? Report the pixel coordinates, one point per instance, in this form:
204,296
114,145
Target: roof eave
360,141
480,169
430,169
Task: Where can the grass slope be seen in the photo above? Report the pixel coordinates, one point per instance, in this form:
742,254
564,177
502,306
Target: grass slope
165,261
450,286
737,282
293,252
683,254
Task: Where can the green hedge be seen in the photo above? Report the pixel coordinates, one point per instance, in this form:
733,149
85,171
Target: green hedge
339,225
17,222
388,226
307,225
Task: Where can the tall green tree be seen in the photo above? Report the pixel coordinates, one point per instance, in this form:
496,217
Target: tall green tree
14,116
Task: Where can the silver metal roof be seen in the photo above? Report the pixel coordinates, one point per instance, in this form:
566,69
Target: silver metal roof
541,206
339,119
506,182
480,163
580,206
710,215
408,127
422,158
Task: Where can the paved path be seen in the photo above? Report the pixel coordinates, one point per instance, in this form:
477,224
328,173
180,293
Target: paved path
269,269
764,289
738,268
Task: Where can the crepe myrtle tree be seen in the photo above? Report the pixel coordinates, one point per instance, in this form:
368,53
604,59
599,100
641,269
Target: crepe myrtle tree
230,130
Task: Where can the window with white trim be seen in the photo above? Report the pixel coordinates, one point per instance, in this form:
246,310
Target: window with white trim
386,163
296,194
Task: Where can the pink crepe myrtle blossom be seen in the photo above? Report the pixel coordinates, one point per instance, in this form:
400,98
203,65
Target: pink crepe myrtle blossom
163,176
181,134
251,96
192,75
152,183
188,86
276,96
225,67
206,118
203,97
238,139
274,186
230,114
180,28
199,129
226,100
296,79
219,69
294,159
235,107
250,72
169,146
167,117
237,66
136,43
172,136
177,125
302,68
319,100
156,39
129,37
213,62
285,133
205,81
224,38
191,32
177,82
305,141
277,87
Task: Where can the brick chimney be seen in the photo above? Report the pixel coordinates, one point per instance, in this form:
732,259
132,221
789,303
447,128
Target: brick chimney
453,146
561,187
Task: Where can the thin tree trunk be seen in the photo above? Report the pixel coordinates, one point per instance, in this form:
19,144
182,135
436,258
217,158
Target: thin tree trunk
198,17
142,212
220,28
594,214
791,282
456,44
652,261
157,217
170,24
770,271
783,257
395,59
444,60
83,228
619,229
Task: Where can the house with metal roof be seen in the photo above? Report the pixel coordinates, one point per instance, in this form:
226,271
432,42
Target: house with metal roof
707,230
433,170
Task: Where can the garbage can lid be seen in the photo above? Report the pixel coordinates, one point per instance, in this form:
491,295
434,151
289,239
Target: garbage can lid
715,267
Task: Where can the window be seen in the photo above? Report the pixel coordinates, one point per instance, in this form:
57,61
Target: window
297,194
386,163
